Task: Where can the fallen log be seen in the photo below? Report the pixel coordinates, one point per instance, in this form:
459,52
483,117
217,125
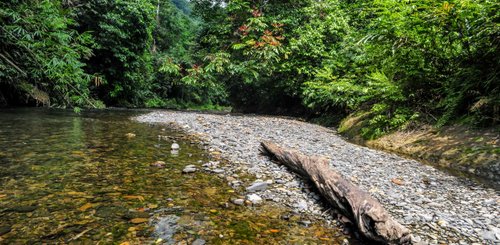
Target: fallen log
371,219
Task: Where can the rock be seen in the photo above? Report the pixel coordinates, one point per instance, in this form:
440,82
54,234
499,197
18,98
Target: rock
292,184
134,215
305,223
218,171
110,211
254,199
345,242
442,223
166,227
175,146
257,186
24,209
426,217
488,235
189,169
5,229
138,220
199,241
397,181
158,164
301,205
239,202
489,202
415,239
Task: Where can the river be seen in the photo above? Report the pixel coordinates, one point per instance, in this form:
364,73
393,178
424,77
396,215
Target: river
99,177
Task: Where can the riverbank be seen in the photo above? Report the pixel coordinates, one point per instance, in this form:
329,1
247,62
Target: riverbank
461,150
437,207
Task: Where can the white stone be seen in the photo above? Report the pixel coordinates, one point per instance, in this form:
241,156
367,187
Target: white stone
254,198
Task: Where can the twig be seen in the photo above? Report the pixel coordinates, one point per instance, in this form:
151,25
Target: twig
80,234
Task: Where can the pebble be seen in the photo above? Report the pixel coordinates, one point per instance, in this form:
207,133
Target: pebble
305,223
301,205
257,186
254,199
489,235
218,171
158,164
239,202
199,242
189,169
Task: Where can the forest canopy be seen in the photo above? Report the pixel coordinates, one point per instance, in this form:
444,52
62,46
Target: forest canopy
394,61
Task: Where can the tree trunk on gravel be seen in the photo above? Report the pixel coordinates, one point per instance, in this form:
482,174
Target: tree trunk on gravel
364,211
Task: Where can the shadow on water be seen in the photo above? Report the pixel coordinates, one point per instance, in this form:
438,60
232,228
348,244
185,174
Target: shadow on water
69,177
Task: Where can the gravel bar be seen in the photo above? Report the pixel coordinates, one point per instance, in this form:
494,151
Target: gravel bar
439,208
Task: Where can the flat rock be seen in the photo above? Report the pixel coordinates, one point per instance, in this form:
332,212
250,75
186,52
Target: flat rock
199,242
189,169
257,186
24,209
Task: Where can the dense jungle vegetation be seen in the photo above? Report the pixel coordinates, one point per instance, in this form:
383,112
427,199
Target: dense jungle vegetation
395,61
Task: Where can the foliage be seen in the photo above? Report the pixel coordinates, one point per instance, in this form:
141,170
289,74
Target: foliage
434,60
399,61
41,58
122,30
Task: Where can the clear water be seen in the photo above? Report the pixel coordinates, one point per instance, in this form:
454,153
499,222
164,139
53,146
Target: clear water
78,178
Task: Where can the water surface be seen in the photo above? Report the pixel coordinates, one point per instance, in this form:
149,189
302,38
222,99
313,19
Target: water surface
73,178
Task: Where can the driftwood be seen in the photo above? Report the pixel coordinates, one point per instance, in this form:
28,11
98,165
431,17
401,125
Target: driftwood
364,211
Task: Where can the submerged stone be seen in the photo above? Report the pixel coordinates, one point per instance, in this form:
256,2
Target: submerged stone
110,211
134,215
24,209
5,230
166,227
199,242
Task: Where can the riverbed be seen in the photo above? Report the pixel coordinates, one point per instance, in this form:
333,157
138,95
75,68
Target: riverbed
437,207
99,177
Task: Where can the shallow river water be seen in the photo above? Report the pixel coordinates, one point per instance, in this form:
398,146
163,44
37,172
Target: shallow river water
85,178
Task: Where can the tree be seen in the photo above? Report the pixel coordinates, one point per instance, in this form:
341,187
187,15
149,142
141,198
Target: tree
41,58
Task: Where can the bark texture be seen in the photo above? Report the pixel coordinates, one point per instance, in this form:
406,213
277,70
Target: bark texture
360,207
